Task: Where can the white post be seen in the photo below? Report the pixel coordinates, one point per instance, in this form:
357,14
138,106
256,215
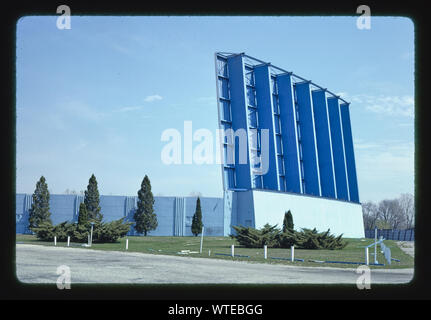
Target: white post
127,244
232,251
265,251
68,240
366,256
375,245
55,240
88,241
292,253
209,253
202,239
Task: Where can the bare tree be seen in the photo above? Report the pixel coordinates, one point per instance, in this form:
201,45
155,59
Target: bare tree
370,214
390,213
397,219
407,207
67,191
385,213
195,194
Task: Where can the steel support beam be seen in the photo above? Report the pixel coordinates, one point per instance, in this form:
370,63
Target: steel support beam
324,145
350,154
338,149
266,121
308,139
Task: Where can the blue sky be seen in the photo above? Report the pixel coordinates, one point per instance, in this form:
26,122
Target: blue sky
96,98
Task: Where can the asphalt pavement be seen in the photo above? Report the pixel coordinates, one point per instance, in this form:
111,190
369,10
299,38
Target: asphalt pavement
39,264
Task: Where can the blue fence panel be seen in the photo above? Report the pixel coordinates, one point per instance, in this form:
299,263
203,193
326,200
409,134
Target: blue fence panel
112,207
392,234
62,208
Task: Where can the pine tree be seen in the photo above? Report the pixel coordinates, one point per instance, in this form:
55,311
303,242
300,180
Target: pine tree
92,200
39,211
273,237
82,215
145,218
197,219
288,222
257,238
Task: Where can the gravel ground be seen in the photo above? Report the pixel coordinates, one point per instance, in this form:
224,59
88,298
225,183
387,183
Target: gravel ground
38,264
407,246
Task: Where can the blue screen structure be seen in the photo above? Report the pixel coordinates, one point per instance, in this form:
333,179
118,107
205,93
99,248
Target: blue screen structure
298,134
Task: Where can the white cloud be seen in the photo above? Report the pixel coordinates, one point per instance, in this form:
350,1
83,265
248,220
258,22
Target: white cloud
389,105
152,98
402,106
132,109
342,94
120,48
366,146
384,168
127,109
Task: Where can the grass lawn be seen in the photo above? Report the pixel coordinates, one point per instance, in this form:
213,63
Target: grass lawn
353,252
